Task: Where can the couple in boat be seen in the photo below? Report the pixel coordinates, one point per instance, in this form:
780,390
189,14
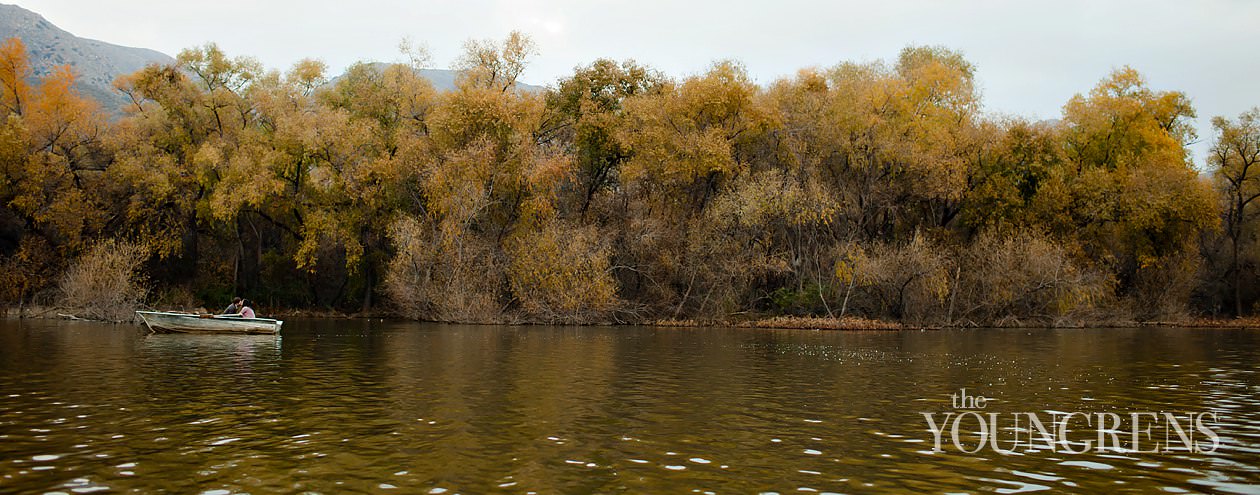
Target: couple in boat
241,307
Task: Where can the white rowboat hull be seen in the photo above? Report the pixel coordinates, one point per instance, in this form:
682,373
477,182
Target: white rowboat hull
191,323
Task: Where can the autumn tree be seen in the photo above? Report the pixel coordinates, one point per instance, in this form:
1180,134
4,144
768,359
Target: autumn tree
15,70
489,64
942,128
52,159
1016,183
1136,202
201,177
687,140
894,142
55,151
65,159
364,146
1235,159
172,148
484,182
584,114
875,188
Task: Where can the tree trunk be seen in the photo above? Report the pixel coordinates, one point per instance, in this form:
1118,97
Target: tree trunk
1237,277
369,284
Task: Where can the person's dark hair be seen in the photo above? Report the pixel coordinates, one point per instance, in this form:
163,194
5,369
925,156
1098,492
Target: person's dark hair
236,300
247,302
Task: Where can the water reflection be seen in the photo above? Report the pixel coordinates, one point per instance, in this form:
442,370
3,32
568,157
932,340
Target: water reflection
336,407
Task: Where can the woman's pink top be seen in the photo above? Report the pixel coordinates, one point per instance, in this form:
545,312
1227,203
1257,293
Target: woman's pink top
247,312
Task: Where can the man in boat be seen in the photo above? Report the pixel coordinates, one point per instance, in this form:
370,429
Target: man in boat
234,308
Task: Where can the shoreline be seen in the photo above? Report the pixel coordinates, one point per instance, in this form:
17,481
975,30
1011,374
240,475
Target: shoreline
851,324
846,324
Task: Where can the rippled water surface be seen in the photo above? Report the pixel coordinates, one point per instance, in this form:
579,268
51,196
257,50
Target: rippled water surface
356,406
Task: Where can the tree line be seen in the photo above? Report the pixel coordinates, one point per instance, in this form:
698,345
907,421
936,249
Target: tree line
873,189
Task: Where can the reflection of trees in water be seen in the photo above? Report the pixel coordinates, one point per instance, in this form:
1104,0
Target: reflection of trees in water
486,405
566,409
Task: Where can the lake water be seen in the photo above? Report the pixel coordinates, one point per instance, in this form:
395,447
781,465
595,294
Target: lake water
379,407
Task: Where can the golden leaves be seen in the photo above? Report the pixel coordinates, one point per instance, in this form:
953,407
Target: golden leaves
561,273
1122,123
15,68
710,192
691,134
487,64
52,152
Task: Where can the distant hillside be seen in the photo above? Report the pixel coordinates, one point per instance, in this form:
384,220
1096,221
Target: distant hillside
96,62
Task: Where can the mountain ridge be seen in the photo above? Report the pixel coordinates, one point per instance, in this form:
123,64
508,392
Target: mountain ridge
96,63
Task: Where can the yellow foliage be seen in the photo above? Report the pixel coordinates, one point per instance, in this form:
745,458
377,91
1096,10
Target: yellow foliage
495,66
561,274
852,266
1136,200
688,136
15,68
457,188
712,194
442,273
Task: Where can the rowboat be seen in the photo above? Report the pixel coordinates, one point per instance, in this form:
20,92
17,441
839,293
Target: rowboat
159,321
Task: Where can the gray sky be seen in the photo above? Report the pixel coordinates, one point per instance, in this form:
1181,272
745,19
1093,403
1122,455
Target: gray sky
1031,56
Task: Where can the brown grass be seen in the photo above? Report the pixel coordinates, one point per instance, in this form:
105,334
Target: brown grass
105,283
1249,322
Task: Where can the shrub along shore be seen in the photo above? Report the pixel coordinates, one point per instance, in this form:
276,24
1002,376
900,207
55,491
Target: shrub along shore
843,197
763,322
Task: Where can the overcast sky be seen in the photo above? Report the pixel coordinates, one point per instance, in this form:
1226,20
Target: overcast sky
1031,56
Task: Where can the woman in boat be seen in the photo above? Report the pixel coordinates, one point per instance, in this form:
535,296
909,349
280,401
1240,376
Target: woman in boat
246,310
